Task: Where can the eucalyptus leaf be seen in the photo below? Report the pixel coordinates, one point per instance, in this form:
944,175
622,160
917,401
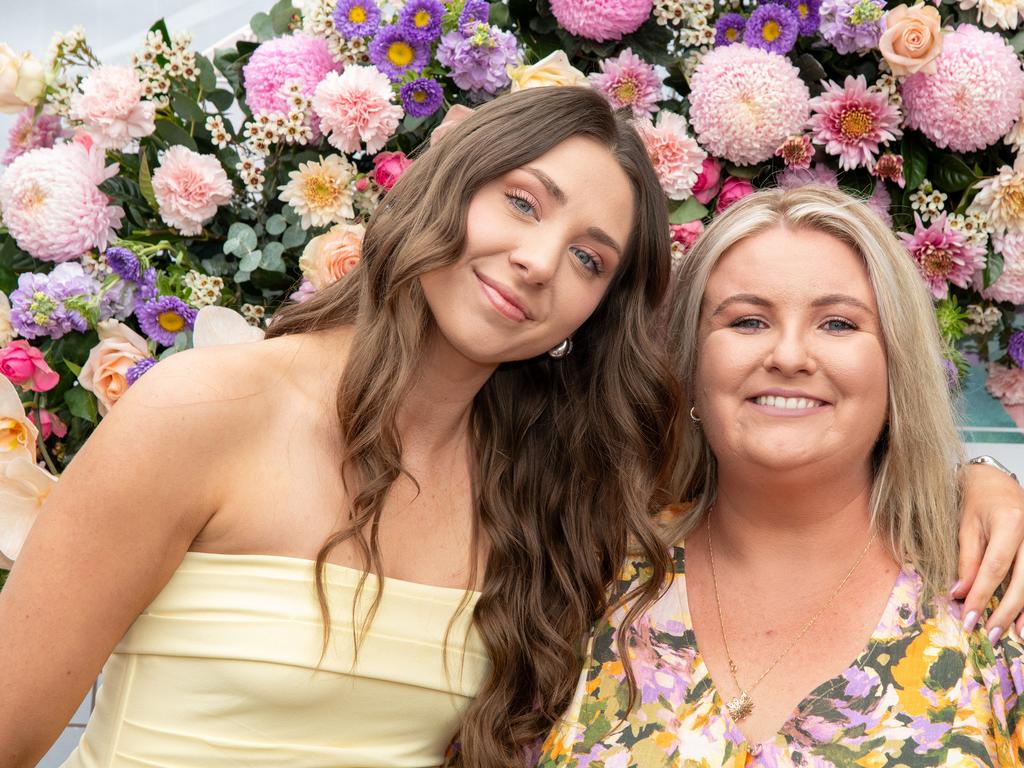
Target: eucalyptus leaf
232,246
276,224
82,404
207,74
251,261
244,234
262,26
281,16
689,210
290,215
294,236
993,267
272,260
241,276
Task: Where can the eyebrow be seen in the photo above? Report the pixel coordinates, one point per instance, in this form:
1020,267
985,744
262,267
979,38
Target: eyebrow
561,198
841,298
823,301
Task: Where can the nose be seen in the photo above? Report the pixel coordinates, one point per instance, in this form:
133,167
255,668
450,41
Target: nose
536,259
791,354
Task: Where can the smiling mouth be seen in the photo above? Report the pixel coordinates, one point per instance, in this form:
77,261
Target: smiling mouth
789,403
499,301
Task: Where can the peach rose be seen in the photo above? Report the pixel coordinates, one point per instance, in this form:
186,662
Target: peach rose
912,39
332,255
17,433
22,80
104,373
553,69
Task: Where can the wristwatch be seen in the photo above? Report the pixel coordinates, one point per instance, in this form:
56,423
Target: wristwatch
991,462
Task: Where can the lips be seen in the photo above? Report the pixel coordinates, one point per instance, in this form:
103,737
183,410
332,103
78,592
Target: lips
503,299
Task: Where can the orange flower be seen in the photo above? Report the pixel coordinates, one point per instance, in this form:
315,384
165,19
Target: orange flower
912,39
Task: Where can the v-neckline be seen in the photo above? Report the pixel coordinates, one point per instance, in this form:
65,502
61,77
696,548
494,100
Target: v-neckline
889,622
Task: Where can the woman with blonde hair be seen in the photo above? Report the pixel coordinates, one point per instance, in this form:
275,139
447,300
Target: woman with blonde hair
817,458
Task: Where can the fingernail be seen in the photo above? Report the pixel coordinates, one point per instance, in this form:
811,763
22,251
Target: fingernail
969,620
955,588
994,633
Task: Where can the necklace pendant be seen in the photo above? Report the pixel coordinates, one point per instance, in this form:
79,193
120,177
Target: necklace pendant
740,707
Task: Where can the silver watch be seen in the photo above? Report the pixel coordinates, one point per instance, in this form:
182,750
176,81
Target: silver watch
991,462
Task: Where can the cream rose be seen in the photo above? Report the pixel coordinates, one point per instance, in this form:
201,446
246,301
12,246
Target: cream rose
22,80
332,255
912,39
17,433
553,69
105,372
6,329
23,489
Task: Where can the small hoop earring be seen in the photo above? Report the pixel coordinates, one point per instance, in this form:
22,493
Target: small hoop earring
562,350
693,415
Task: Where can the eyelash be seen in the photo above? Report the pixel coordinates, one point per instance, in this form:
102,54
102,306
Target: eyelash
517,195
850,326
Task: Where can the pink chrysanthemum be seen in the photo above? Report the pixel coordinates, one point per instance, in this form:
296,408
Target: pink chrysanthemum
943,255
356,106
291,57
628,81
1009,286
974,97
851,122
189,187
744,102
111,107
51,205
676,157
1007,384
30,132
1000,198
601,20
796,152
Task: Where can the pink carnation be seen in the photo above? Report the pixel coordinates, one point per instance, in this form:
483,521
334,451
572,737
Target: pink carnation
112,108
31,132
628,81
1007,384
356,106
974,97
676,157
1009,286
189,187
51,204
943,255
290,57
601,20
851,122
744,102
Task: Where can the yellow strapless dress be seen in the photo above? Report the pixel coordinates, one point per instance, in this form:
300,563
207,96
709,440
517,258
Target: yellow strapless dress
223,669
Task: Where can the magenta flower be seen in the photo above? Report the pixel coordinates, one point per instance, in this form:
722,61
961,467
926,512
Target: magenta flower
628,81
851,122
30,132
943,255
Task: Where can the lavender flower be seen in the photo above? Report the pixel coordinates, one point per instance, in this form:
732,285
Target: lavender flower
394,54
146,289
772,28
53,304
165,317
134,373
478,61
729,28
356,19
808,12
420,20
421,97
474,11
1016,348
852,26
124,263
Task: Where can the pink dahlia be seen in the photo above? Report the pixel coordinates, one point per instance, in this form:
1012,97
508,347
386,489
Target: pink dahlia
31,132
796,152
943,255
628,81
1007,384
974,97
111,107
744,102
291,57
851,122
356,106
189,187
1009,286
601,20
51,204
677,158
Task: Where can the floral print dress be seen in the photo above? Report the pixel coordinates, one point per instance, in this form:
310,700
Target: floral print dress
923,693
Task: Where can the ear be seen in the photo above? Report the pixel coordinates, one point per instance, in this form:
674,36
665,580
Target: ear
453,117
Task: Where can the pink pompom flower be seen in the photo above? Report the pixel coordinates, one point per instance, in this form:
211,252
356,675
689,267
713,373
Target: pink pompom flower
51,204
189,187
25,366
851,121
943,255
111,107
1005,383
974,97
676,157
744,102
602,20
356,106
628,81
31,132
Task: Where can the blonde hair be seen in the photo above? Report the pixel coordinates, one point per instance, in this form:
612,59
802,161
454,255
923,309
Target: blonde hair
914,504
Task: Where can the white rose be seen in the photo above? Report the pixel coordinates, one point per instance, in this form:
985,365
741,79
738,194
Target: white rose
22,80
553,69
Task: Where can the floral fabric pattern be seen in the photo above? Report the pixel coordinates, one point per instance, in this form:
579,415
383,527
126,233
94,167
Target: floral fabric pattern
923,693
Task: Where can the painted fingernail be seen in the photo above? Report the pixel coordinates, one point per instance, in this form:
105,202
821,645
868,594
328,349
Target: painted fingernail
969,620
994,633
955,588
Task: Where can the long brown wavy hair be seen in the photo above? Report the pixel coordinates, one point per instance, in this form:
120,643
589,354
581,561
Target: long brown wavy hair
570,454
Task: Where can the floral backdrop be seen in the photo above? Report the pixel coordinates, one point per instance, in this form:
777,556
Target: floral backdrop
176,200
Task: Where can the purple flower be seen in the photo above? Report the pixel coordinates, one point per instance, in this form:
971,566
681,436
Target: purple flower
772,28
729,28
356,18
808,12
421,97
420,20
474,11
394,54
1016,348
165,317
53,304
125,264
135,372
478,61
852,26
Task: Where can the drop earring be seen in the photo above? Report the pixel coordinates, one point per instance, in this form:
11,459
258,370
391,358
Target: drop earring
560,351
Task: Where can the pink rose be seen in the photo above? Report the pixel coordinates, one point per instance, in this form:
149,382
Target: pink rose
105,372
25,366
686,234
708,181
332,255
733,190
50,423
388,167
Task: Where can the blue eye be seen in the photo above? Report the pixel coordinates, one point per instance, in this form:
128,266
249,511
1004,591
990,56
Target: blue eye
747,323
520,203
588,261
836,324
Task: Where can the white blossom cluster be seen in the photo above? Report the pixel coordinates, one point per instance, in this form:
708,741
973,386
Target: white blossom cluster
928,202
159,63
204,290
317,20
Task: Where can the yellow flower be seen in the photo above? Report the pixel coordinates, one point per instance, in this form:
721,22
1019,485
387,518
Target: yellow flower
553,69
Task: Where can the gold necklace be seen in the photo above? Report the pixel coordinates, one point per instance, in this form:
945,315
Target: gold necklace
740,707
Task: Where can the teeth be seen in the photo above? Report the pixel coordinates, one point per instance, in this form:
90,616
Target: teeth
791,403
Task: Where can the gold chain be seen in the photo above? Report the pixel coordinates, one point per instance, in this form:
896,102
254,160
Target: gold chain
742,705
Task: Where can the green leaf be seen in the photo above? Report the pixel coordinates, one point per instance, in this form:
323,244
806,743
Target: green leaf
689,210
186,108
262,26
499,15
251,261
276,224
951,174
742,171
82,404
161,26
75,369
290,215
207,75
241,276
245,235
993,267
146,182
294,236
221,99
232,246
281,16
915,160
272,260
172,133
